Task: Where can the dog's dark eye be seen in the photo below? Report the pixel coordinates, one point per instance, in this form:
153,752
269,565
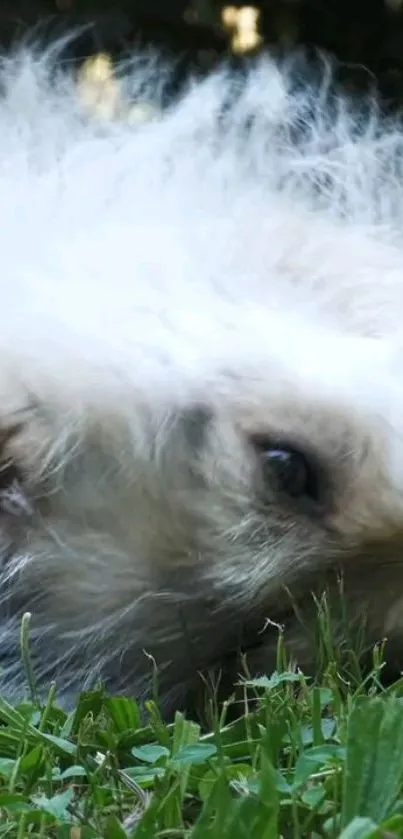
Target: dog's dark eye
294,474
290,471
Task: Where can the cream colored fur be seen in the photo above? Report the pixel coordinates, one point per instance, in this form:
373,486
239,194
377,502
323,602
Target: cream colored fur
233,267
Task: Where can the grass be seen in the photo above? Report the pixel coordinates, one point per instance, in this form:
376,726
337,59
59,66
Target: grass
305,759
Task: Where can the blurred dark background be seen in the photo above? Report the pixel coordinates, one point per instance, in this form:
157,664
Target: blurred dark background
365,36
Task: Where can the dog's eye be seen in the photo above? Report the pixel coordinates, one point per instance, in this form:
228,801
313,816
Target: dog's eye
292,472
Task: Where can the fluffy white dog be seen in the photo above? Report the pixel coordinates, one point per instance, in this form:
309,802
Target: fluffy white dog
201,375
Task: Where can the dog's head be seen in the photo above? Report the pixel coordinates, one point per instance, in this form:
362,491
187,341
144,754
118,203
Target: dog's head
200,376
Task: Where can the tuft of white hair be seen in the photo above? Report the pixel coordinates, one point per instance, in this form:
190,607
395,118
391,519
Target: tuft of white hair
241,182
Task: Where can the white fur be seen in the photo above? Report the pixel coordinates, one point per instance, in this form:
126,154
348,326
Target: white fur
248,259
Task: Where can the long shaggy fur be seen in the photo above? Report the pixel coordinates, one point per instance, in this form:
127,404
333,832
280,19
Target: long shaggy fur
169,291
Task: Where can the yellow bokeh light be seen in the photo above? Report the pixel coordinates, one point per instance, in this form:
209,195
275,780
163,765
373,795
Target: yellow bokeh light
101,95
243,23
98,88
